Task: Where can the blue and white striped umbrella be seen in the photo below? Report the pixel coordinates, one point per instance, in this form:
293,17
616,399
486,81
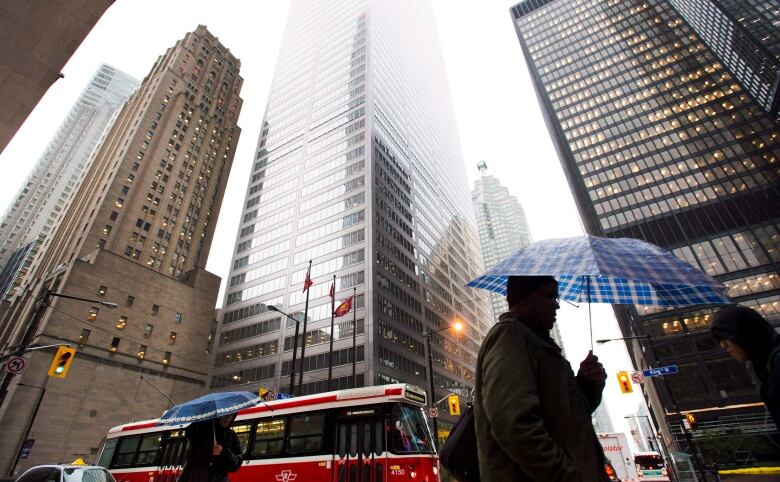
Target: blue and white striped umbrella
209,407
608,270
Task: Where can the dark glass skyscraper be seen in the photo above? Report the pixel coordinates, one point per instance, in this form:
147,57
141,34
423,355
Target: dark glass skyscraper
358,168
659,141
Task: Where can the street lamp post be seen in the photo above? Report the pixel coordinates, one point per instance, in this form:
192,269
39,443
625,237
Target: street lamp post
29,332
432,396
295,347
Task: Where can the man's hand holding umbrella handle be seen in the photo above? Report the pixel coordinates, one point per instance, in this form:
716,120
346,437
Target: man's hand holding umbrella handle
592,370
216,450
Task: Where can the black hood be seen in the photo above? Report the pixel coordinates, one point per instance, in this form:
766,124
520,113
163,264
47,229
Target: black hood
747,328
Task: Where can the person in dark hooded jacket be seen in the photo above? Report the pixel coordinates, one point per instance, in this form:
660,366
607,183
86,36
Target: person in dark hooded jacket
748,337
214,451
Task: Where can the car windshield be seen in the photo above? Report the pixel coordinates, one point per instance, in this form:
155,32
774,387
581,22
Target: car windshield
409,430
648,462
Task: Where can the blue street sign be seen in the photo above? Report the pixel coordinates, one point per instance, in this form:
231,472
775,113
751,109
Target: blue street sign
661,371
283,396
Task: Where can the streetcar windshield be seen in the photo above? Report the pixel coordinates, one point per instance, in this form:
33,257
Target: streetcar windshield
409,430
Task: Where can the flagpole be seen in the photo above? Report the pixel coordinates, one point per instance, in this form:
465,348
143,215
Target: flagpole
332,316
303,341
354,337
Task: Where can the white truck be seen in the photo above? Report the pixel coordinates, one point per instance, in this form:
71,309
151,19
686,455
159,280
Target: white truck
619,456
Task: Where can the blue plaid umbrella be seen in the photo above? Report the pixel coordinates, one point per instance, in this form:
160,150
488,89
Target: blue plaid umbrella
209,407
608,270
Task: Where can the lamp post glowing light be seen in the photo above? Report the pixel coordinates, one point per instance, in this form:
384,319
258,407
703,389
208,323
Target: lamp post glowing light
458,327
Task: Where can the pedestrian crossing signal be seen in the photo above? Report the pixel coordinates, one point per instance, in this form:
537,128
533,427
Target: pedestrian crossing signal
60,364
625,382
453,402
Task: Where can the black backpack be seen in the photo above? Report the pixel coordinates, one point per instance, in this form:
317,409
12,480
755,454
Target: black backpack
459,453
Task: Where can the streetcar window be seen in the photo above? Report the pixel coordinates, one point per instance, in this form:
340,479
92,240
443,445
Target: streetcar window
148,449
242,432
138,450
306,433
108,452
269,437
408,430
126,451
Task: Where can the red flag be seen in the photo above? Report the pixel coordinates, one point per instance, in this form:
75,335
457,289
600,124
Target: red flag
333,291
307,282
343,308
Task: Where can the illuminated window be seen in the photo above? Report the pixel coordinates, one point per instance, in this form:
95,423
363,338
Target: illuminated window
172,338
102,291
114,344
120,324
167,358
141,351
93,312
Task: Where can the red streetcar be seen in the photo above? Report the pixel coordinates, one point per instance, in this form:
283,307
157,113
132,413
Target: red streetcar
371,434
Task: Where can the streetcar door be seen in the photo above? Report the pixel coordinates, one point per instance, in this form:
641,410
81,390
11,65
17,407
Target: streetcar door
360,450
174,452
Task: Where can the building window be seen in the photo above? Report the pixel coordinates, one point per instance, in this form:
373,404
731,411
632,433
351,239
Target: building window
129,301
114,344
177,318
167,358
107,229
172,338
92,315
119,202
120,324
113,215
84,336
141,352
148,330
102,291
101,243
155,309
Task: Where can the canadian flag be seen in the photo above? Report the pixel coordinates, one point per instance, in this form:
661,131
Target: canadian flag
343,308
307,282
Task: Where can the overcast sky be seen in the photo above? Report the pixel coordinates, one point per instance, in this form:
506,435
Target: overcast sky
495,106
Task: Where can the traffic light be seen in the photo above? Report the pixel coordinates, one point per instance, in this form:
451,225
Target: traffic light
61,361
454,403
625,382
691,418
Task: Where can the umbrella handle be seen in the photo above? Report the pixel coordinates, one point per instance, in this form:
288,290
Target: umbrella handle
590,317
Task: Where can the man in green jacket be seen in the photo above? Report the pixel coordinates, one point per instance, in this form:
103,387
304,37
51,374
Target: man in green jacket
532,415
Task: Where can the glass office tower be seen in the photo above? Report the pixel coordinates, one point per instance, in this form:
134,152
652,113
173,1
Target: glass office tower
358,168
659,141
502,226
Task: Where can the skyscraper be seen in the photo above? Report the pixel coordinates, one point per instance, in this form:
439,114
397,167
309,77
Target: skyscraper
358,168
42,197
136,234
39,36
745,36
501,223
659,141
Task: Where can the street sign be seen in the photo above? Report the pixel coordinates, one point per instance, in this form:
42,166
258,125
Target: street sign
284,396
15,365
27,446
661,371
433,412
637,377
